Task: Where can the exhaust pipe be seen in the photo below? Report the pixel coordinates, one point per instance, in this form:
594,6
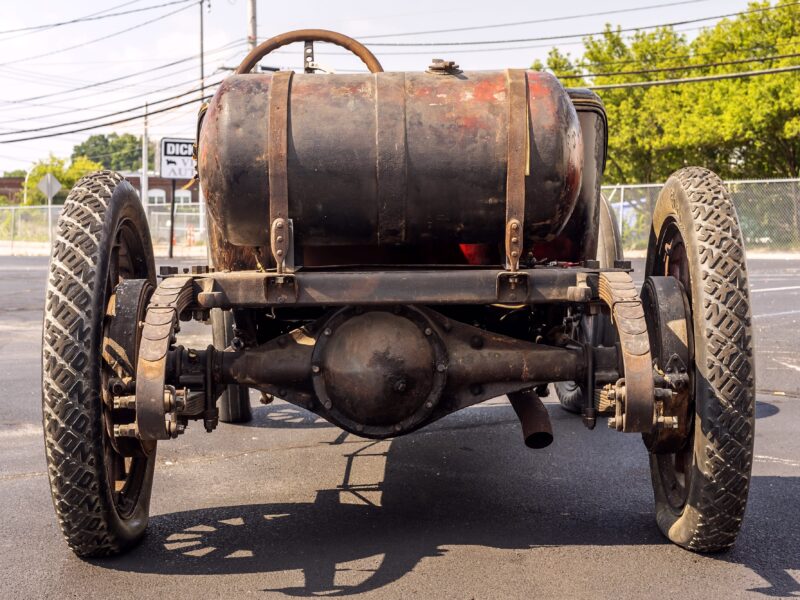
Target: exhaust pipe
534,418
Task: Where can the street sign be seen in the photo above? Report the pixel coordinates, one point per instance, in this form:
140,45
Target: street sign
49,186
176,158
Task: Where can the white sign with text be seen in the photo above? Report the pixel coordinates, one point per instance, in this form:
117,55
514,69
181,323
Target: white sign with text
176,158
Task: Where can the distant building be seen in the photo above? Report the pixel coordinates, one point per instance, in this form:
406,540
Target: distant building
159,190
11,188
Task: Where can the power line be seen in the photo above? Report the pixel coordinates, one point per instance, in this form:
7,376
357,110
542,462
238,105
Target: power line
109,123
83,62
99,12
137,151
460,50
105,37
719,76
91,17
72,110
532,22
629,61
99,105
532,46
684,67
560,37
123,77
105,116
740,75
16,74
150,88
168,118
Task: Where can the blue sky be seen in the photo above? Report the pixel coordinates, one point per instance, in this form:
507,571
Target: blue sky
63,76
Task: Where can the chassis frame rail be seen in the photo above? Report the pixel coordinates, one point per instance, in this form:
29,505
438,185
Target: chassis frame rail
423,286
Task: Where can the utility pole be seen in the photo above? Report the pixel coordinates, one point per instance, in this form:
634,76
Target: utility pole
143,183
171,220
202,56
252,27
25,185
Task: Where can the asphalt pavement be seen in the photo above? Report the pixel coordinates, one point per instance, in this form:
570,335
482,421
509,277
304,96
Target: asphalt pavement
289,505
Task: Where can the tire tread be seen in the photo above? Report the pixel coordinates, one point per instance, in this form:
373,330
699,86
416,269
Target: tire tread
73,441
729,368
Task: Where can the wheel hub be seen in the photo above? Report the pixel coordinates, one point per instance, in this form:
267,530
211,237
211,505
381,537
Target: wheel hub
666,310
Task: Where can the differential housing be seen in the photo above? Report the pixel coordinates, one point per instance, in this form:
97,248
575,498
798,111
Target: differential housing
379,372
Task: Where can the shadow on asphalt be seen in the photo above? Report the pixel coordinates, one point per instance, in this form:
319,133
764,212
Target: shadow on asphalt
767,545
467,481
283,415
766,409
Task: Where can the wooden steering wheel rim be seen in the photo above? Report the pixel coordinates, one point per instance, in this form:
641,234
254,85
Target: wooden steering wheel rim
309,35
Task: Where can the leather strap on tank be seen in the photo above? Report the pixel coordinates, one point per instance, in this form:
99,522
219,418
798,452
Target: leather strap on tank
279,234
517,163
391,163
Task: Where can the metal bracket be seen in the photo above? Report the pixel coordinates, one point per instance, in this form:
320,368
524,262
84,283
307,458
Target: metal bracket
281,289
579,293
589,412
513,244
512,287
440,66
308,57
281,243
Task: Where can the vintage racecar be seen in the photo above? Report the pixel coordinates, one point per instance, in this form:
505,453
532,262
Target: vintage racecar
388,248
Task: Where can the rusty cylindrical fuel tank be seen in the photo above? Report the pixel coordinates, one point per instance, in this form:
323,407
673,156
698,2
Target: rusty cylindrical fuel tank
389,158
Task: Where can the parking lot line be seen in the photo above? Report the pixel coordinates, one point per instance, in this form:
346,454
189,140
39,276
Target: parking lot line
776,289
777,314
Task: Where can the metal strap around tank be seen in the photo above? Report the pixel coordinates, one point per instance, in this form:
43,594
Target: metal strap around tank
171,297
517,163
391,162
617,290
278,176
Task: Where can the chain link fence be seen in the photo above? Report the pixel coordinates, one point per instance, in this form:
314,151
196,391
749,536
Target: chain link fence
769,211
26,230
189,234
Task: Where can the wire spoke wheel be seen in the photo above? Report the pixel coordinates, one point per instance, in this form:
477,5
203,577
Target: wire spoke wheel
126,459
102,262
674,468
234,403
701,484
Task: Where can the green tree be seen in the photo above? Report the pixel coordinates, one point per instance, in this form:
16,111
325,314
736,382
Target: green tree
746,127
67,175
756,120
561,65
114,151
15,173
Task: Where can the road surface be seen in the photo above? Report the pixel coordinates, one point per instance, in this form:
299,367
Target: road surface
291,506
